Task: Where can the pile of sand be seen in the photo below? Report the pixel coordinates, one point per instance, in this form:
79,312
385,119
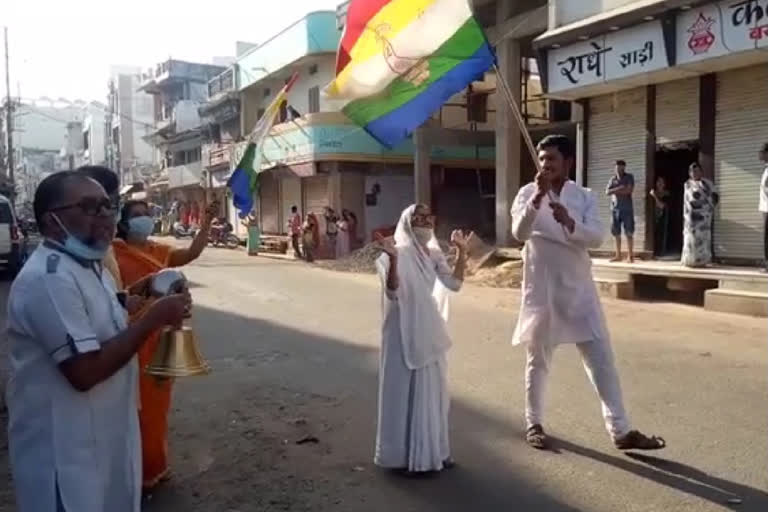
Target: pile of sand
506,275
482,270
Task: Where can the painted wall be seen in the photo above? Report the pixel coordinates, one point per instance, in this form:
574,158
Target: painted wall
315,33
570,11
255,97
396,195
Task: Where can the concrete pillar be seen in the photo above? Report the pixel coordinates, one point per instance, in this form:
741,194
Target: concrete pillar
422,175
577,116
508,136
335,199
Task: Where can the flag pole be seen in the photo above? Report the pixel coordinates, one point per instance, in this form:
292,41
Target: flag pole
500,79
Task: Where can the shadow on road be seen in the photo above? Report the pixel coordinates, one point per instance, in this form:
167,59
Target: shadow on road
265,361
677,476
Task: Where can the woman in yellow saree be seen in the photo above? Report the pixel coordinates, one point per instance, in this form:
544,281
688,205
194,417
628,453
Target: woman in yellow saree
137,258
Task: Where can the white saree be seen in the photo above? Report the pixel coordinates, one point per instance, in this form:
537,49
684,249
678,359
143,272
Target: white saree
412,431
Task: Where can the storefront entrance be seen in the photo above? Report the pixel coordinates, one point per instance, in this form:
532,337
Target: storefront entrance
671,165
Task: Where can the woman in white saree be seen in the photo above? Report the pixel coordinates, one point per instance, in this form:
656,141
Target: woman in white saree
412,432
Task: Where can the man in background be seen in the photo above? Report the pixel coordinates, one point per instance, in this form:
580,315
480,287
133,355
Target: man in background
295,229
620,189
763,206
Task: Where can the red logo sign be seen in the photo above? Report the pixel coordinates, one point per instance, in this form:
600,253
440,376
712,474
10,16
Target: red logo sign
702,38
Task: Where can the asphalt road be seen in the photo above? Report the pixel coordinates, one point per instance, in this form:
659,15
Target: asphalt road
286,420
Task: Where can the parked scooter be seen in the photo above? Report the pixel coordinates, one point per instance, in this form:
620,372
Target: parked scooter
181,231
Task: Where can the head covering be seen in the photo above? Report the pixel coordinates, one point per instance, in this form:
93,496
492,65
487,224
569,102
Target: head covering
421,296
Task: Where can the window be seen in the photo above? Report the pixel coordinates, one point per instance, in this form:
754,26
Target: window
260,113
283,112
267,92
313,69
86,140
477,110
314,100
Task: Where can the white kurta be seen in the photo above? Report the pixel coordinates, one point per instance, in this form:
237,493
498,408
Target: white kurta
82,446
412,430
559,303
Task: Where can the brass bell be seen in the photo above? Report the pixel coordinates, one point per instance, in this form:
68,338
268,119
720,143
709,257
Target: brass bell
177,355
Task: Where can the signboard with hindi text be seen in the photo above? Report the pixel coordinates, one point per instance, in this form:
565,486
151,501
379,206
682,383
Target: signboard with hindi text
614,56
721,28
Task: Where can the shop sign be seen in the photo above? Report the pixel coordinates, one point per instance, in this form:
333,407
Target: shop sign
613,56
721,28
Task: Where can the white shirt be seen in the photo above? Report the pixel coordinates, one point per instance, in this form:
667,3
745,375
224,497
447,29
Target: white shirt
86,444
559,299
763,207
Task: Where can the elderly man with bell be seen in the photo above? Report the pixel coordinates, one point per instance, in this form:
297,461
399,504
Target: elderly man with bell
73,426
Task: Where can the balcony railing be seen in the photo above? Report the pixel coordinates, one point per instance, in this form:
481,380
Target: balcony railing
222,83
185,175
218,155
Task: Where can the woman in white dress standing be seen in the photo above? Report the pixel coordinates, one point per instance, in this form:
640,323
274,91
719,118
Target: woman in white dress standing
412,431
699,202
342,244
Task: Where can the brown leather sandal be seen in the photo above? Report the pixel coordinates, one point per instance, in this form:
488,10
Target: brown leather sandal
636,440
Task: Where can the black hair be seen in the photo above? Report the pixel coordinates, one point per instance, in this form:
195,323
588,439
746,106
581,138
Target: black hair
765,147
105,176
621,163
125,211
49,191
559,142
294,209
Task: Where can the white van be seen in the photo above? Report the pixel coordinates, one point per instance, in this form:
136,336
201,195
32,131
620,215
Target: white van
10,239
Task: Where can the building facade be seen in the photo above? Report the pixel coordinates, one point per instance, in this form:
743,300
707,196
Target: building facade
663,84
130,117
179,89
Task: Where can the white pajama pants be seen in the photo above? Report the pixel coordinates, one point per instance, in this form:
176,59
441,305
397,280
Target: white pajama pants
597,357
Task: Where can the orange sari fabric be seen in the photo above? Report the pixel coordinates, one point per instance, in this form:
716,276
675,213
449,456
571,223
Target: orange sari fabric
154,395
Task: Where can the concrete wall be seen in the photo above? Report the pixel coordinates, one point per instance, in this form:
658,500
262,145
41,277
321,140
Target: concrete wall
254,96
397,193
313,34
569,11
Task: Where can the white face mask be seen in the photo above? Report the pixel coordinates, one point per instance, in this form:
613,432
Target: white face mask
423,235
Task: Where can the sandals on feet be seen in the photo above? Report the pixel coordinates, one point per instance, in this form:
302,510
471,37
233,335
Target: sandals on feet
636,440
536,438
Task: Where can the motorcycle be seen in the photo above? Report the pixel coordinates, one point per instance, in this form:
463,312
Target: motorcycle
179,231
223,236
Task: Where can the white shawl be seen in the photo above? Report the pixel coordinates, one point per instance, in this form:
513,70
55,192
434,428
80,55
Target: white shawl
421,296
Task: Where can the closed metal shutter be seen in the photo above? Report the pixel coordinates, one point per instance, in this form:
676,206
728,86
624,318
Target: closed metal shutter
316,197
290,196
617,132
677,111
741,126
268,201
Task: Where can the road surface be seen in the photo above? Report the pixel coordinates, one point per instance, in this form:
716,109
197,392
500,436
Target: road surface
286,420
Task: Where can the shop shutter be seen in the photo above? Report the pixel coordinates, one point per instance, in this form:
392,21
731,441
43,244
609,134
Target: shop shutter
268,201
316,195
741,126
677,111
617,131
290,196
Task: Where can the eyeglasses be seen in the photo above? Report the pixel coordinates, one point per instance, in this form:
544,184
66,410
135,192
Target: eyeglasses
91,206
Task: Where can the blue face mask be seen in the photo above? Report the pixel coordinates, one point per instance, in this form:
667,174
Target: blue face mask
139,228
76,247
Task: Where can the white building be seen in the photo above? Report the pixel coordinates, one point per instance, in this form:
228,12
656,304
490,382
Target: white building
131,117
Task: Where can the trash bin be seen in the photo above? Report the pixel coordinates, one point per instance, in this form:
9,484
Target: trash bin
254,240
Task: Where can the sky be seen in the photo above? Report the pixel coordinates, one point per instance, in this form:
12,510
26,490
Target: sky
64,49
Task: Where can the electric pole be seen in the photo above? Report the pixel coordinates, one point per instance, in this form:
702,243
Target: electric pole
9,121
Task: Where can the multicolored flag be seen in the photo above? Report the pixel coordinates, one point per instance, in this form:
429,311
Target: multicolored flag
400,60
244,182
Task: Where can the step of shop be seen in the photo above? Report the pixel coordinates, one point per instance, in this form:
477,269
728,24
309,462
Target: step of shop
615,288
740,302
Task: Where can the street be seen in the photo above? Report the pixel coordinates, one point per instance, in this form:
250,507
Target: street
286,420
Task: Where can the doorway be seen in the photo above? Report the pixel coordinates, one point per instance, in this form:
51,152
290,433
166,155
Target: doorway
671,165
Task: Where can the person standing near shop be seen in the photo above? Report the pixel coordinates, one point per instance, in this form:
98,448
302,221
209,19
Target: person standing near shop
660,196
763,206
620,188
331,230
295,229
